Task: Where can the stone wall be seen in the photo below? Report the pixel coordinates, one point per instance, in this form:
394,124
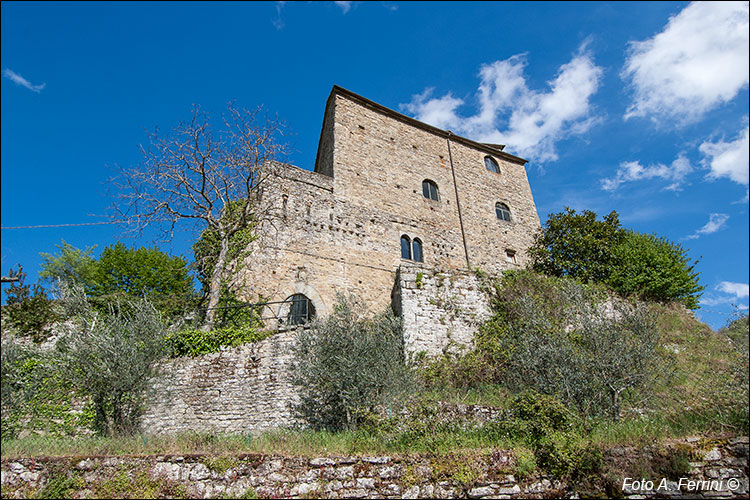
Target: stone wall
239,390
480,475
247,389
441,311
338,229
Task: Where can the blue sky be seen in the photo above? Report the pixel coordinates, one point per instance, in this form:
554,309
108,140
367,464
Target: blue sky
636,107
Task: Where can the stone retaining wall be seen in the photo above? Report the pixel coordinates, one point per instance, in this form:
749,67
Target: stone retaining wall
241,390
441,311
488,475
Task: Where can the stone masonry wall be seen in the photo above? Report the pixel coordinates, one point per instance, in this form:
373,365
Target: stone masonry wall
440,310
240,390
247,389
338,229
487,475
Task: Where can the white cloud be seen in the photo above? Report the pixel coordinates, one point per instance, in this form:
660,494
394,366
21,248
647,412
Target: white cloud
699,61
23,82
728,159
344,6
630,171
715,223
534,121
739,290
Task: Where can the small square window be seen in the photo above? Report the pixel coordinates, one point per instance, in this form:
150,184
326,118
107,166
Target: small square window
510,256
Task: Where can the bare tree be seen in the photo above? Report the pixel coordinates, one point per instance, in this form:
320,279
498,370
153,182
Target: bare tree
212,181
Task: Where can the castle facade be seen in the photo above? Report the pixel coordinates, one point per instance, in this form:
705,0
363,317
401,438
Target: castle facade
387,191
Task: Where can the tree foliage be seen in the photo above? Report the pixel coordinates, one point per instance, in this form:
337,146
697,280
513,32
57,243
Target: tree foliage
143,273
112,358
655,269
634,264
577,245
121,274
28,308
346,365
71,265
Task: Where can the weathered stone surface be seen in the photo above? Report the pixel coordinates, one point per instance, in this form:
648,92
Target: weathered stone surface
238,390
480,492
367,477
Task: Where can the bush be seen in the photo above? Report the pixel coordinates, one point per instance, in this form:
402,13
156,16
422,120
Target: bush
345,365
28,309
544,424
36,396
654,269
193,343
562,338
634,264
586,351
112,358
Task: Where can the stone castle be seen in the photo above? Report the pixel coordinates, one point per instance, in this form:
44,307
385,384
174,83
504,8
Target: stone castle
388,193
398,213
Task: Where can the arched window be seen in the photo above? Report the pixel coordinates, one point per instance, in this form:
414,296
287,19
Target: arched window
430,190
491,164
417,247
405,247
502,211
301,310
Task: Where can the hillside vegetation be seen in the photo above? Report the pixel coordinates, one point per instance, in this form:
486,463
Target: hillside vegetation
595,352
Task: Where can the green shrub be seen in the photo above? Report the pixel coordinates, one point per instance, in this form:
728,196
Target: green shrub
28,308
546,426
61,485
346,365
191,342
654,269
525,464
588,352
112,358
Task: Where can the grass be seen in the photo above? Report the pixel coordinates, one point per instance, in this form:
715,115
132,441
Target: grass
703,396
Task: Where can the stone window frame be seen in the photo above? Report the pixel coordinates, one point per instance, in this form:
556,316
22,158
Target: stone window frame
413,246
502,208
510,256
426,185
288,316
416,243
495,166
407,248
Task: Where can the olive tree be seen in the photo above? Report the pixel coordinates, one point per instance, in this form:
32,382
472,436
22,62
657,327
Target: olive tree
111,358
212,180
346,365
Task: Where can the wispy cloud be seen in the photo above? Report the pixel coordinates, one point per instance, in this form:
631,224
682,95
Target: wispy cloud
344,6
739,290
23,82
631,171
529,122
729,159
697,62
278,23
731,294
715,223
